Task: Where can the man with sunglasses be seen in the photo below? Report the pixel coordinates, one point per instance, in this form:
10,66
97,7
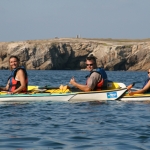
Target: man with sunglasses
96,80
145,88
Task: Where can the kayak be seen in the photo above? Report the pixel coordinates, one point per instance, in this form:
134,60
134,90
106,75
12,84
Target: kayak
115,91
135,97
63,93
68,96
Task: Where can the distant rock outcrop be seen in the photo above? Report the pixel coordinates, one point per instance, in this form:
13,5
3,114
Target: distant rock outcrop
70,53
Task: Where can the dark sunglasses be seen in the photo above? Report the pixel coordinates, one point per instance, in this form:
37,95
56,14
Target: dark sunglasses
89,64
148,72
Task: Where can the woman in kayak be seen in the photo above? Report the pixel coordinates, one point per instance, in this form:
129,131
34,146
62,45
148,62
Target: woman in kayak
96,80
18,80
145,88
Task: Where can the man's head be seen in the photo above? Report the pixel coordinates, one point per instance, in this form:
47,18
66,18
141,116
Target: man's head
91,63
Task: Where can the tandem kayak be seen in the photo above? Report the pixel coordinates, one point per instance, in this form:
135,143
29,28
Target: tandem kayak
63,93
62,96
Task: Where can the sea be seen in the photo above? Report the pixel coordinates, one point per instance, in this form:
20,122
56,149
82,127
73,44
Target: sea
47,125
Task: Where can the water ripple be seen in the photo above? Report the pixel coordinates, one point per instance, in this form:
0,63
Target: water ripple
56,125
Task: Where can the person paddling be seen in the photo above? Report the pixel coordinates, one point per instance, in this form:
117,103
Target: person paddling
96,80
145,88
18,79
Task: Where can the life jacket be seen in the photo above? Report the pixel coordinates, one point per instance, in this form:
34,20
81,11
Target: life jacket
14,84
146,81
103,82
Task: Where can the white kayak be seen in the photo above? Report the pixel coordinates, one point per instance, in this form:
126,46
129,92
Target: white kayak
114,92
72,97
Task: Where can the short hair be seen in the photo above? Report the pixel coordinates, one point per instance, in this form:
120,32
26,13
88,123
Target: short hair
13,56
91,58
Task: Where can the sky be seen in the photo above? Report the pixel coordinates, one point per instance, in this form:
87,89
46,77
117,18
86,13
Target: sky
46,19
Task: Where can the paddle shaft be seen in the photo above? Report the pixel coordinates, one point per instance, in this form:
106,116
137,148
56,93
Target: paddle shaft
134,89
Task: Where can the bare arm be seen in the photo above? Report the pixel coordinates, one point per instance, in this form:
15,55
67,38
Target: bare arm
146,87
82,87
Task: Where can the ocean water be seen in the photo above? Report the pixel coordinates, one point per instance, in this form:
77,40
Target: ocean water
112,125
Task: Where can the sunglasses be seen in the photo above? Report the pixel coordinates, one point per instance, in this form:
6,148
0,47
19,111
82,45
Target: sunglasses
148,72
89,64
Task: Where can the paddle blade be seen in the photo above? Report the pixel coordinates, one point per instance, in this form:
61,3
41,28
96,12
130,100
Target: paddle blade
130,86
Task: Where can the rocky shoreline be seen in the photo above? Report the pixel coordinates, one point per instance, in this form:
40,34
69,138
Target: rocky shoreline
70,53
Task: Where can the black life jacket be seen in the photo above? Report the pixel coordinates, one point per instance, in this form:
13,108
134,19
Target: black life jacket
146,81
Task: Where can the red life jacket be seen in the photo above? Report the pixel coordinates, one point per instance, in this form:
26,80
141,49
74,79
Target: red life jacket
103,82
99,85
14,84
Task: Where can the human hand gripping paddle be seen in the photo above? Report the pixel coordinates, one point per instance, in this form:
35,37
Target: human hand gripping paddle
130,87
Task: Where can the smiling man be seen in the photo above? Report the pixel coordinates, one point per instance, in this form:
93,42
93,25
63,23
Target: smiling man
96,80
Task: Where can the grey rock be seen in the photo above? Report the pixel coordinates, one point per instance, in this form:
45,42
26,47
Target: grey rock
70,53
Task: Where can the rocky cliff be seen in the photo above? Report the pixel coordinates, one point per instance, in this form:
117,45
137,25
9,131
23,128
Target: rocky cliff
70,53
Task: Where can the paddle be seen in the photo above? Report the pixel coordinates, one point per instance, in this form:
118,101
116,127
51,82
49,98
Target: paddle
62,89
65,89
135,89
129,87
32,87
48,89
110,85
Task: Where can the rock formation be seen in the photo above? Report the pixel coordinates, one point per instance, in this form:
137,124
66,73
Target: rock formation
70,53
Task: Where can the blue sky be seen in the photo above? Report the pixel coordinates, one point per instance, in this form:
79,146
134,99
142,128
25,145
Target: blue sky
44,19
